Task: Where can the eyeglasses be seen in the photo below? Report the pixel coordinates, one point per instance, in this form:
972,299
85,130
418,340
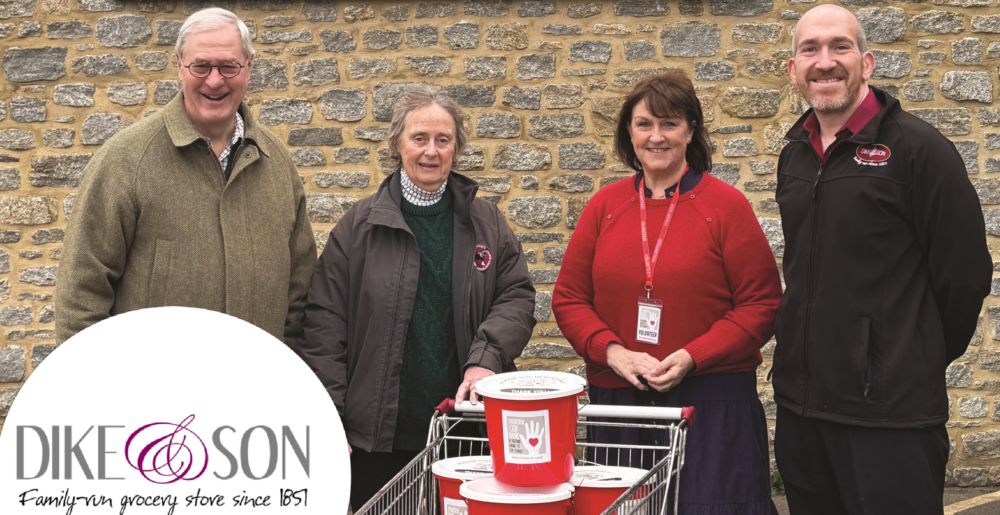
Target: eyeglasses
202,70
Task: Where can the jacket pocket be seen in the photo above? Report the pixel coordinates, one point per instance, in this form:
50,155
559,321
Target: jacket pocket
864,360
159,278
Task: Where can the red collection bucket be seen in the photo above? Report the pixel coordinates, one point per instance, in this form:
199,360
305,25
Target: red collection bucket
598,487
451,473
531,421
491,497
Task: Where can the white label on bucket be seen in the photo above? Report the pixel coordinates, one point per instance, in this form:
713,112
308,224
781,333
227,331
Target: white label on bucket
455,507
526,434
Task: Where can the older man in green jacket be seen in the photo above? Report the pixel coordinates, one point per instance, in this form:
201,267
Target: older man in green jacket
196,205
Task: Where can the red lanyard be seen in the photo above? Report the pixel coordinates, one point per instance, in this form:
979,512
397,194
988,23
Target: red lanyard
651,261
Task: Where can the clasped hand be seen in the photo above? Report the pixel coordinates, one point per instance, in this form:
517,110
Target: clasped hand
661,375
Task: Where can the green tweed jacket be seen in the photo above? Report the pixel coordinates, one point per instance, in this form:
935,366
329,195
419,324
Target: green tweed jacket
155,224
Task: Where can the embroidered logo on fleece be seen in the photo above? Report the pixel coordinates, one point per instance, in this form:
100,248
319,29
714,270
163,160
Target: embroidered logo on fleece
483,257
872,155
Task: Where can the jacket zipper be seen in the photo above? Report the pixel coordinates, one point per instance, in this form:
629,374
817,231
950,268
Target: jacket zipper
809,291
385,359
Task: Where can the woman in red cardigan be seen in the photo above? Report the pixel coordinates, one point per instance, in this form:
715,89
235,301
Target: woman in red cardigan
669,297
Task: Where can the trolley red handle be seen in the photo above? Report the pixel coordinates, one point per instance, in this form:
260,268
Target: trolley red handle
448,406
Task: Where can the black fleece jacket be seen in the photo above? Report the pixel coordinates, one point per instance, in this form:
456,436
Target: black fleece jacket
886,268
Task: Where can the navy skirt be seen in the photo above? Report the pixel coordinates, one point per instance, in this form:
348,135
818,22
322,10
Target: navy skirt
727,466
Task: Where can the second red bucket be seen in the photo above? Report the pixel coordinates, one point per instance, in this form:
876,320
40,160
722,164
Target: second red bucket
531,421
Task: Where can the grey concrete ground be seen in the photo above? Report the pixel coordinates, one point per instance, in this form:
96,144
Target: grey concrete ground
952,496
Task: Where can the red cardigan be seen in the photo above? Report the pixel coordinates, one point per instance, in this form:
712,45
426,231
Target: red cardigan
715,275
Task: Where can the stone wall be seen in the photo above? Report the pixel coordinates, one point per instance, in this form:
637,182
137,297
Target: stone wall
541,81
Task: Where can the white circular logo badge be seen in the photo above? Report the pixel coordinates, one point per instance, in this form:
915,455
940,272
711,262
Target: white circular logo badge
173,411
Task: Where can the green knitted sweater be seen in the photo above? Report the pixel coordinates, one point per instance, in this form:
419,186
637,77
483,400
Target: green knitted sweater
430,360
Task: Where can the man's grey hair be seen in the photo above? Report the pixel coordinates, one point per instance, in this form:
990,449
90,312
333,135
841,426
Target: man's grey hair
859,36
211,19
418,97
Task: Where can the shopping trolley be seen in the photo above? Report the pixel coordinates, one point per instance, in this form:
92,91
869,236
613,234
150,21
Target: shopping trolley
414,490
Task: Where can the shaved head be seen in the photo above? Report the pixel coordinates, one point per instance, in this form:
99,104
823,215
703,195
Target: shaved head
830,12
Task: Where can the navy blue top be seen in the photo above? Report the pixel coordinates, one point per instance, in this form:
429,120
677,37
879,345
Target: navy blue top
688,182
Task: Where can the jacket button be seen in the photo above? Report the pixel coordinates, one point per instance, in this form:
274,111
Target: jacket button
709,220
692,196
609,217
633,199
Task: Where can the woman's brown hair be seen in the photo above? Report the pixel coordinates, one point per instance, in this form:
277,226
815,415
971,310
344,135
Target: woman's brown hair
668,95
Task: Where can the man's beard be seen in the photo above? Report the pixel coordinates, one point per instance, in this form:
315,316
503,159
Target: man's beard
834,105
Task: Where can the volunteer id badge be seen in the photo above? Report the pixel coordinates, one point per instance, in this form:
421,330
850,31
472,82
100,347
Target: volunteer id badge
648,326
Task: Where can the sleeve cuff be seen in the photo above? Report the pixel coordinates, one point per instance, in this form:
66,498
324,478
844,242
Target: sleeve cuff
597,351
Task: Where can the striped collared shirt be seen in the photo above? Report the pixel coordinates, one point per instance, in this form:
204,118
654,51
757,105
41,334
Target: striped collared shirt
417,196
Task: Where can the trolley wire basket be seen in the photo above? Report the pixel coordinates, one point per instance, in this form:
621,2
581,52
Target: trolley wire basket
414,491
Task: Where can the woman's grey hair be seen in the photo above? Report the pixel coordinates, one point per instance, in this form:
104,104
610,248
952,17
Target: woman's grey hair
418,97
211,19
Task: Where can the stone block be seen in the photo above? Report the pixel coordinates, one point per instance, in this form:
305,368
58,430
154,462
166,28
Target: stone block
932,58
507,36
967,86
751,103
631,76
343,179
641,8
522,98
12,362
270,37
94,65
950,122
774,67
969,477
535,212
486,67
969,150
882,25
536,66
315,137
498,125
40,276
691,39
989,24
740,7
639,50
728,173
371,133
546,351
967,51
471,96
268,75
605,114
590,51
99,127
296,111
973,407
775,237
543,275
572,183
462,35
918,91
891,64
34,64
327,207
521,157
740,147
561,29
756,33
436,10
165,90
958,375
356,13
487,8
432,66
583,10
308,157
315,72
74,29
706,71
363,68
45,236
581,156
124,31
563,96
351,155
982,444
939,22
471,159
151,61
384,98
560,126
10,179
278,21
543,305
58,171
127,93
27,109
421,36
16,139
339,41
529,182
15,315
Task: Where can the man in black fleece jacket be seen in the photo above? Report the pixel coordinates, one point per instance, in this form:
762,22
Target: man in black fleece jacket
886,267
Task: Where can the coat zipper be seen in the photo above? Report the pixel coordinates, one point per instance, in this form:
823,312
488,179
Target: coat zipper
809,291
385,357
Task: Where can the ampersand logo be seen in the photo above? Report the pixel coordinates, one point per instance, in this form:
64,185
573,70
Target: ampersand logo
179,454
